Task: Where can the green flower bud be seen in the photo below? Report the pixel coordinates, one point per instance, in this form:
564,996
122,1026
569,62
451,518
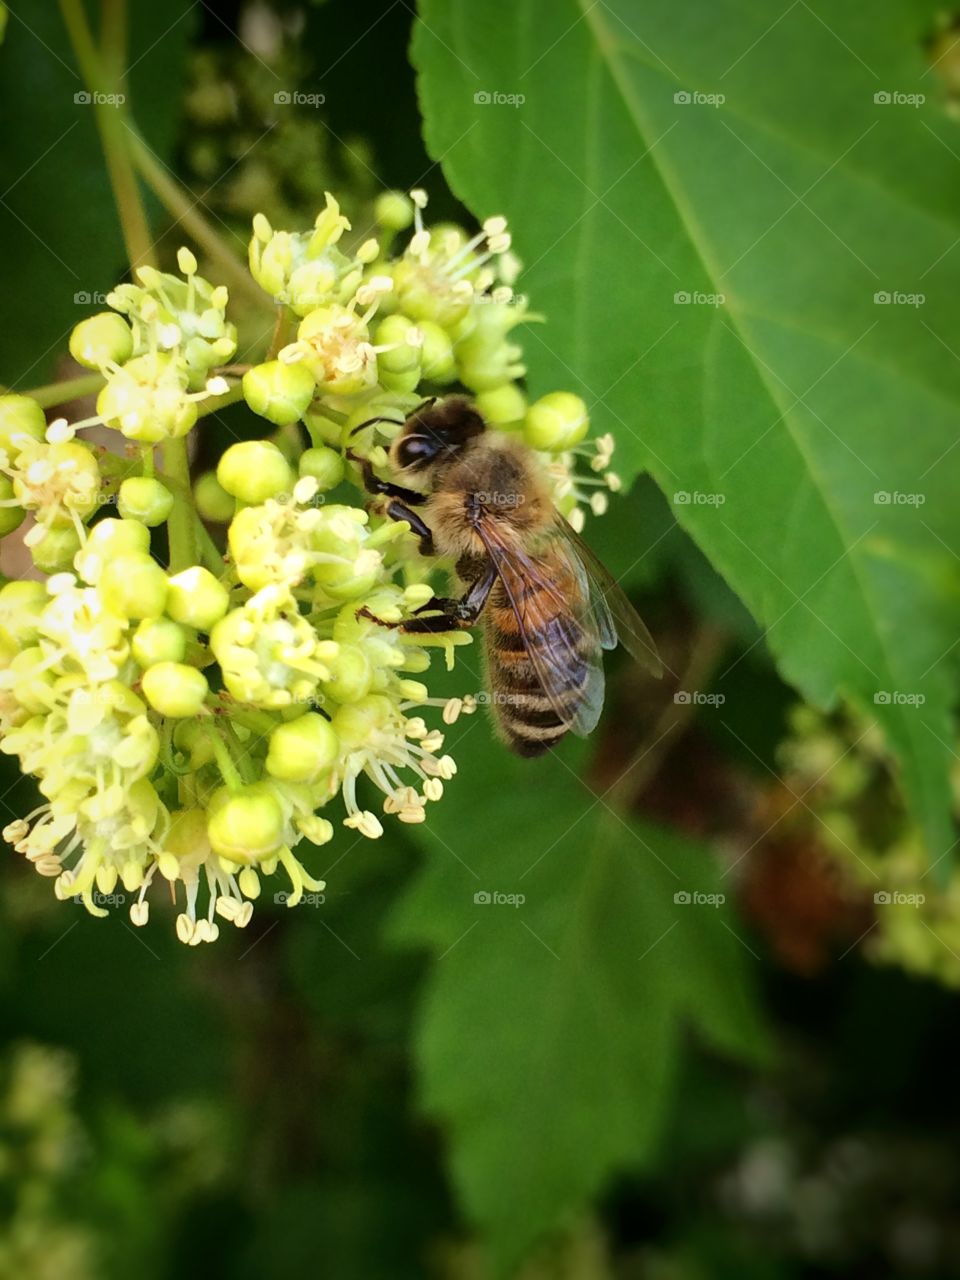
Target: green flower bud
10,517
556,422
402,356
133,586
21,604
348,581
279,392
100,340
174,689
145,499
323,428
502,406
191,737
245,825
197,599
436,357
21,420
323,465
350,675
213,501
356,724
187,835
158,640
108,539
302,749
393,210
255,470
55,551
402,383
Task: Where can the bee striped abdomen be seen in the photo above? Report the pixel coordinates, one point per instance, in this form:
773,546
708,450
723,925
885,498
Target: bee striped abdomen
528,719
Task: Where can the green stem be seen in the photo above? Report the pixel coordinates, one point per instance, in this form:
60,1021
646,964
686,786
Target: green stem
281,331
213,403
241,755
187,535
181,528
228,770
258,722
181,206
210,553
54,393
111,125
114,29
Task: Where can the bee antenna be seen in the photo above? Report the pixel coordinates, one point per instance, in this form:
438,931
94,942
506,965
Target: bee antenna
370,422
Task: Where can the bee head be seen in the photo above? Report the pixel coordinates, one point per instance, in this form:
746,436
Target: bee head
436,432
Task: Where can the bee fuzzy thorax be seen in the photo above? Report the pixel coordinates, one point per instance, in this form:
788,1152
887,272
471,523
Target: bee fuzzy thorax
493,480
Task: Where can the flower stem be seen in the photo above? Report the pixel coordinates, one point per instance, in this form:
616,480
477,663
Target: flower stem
114,30
181,529
110,121
213,403
228,770
54,393
210,553
181,206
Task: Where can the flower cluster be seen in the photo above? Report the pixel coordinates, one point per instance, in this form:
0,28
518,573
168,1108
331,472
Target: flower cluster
203,715
842,767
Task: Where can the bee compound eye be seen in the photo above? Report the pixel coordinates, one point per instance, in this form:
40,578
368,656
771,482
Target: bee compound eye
415,450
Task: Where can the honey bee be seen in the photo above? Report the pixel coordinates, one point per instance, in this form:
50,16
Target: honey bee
547,606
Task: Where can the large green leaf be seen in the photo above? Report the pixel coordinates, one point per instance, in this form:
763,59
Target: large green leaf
791,405
550,1030
62,247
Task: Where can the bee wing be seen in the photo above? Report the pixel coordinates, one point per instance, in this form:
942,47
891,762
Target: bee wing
617,619
559,628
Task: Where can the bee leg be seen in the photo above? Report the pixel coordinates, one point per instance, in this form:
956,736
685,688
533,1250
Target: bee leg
398,510
373,484
453,615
